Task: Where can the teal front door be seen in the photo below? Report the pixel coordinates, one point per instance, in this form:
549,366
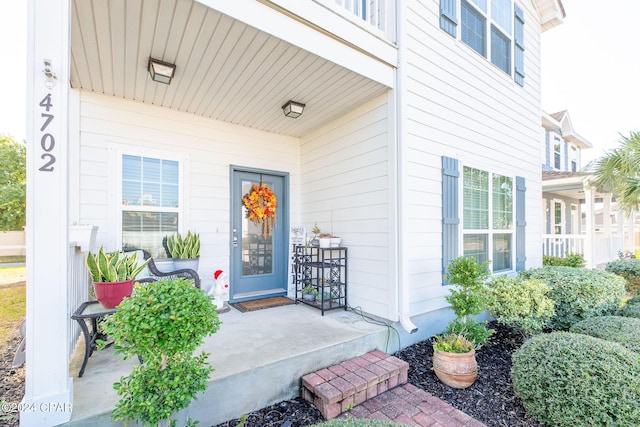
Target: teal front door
259,257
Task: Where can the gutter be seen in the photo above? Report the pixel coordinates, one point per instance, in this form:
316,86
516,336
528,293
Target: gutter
401,261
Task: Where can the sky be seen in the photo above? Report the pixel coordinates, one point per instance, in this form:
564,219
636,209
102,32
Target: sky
590,67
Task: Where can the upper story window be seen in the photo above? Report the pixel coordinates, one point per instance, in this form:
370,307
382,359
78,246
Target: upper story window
557,153
488,218
150,202
574,158
493,28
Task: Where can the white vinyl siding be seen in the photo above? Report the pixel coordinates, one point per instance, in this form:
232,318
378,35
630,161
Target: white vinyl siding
345,188
458,106
111,127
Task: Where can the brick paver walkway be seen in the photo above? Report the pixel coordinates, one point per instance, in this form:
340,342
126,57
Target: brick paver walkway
410,405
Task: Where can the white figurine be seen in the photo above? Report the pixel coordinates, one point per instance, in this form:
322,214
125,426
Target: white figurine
220,288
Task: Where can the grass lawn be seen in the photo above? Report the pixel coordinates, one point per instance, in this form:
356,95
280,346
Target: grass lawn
12,258
12,301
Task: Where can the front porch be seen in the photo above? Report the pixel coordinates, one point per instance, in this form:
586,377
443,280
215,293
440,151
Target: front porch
581,219
258,357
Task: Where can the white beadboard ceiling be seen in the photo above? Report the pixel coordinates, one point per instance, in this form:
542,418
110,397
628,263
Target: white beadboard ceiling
225,69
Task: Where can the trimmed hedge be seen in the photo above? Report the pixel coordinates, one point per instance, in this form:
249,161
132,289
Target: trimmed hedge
623,330
630,310
634,301
629,270
352,422
579,293
571,260
567,379
522,304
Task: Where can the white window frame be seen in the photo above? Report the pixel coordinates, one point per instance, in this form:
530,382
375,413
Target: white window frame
489,23
574,158
490,231
554,224
119,208
556,140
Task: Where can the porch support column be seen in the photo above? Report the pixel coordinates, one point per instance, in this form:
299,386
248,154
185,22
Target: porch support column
606,226
48,392
589,225
630,242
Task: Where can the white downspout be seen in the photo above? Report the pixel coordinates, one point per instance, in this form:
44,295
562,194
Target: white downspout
401,262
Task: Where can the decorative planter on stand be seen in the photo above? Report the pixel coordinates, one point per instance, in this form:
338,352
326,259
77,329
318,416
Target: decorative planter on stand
457,370
110,294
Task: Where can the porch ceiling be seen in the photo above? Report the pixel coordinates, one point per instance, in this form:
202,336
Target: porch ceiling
225,69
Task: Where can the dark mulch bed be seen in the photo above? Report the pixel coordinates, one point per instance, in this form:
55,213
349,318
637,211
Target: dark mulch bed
490,399
11,381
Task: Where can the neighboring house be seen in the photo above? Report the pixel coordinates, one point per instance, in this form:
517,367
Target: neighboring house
419,142
578,217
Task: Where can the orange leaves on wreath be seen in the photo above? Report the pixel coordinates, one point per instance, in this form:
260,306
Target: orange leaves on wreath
261,204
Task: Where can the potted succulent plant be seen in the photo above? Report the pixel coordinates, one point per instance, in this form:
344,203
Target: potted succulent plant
113,275
309,293
185,251
454,360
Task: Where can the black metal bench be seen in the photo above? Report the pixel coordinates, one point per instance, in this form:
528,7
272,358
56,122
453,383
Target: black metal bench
92,311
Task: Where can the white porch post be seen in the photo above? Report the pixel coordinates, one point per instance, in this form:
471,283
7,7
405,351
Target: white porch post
630,243
589,225
48,392
606,221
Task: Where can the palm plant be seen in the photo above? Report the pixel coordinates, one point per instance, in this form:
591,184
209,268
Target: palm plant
618,171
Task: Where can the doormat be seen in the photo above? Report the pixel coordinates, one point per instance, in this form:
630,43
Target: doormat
259,304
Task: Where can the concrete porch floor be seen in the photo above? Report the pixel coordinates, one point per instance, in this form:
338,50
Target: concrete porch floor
258,357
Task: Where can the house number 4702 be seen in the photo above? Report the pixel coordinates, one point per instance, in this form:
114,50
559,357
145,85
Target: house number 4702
47,141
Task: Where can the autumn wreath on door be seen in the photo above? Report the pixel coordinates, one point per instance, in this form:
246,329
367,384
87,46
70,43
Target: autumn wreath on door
261,205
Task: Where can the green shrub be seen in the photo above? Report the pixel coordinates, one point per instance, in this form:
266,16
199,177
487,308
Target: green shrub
579,293
623,330
630,310
352,422
634,301
163,322
570,260
629,270
522,304
466,298
567,379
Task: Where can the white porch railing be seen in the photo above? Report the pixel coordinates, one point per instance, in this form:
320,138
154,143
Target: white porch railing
604,247
561,244
373,12
78,289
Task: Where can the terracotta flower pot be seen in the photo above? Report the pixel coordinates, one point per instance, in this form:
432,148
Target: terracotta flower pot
457,370
110,294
